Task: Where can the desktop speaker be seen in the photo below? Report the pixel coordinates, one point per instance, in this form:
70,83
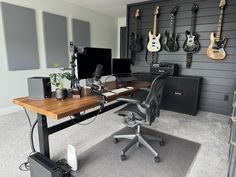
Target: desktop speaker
39,88
41,166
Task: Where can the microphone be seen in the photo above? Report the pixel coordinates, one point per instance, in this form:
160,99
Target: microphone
97,75
98,72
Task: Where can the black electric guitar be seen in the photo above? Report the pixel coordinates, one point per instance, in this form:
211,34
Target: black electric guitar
191,44
171,38
216,48
135,43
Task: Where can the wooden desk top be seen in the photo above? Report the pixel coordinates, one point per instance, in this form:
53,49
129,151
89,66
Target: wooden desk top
57,109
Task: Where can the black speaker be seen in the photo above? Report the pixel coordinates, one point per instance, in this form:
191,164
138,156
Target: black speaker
39,88
181,94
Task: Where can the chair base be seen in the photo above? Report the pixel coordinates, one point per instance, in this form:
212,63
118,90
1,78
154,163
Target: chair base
139,139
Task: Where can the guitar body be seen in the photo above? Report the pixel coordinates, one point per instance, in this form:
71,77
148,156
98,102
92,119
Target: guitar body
216,49
135,43
154,44
171,42
191,44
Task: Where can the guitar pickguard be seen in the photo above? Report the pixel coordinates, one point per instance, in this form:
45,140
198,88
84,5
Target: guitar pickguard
216,49
171,43
154,44
191,44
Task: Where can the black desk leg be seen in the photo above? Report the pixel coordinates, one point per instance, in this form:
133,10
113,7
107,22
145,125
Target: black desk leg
43,135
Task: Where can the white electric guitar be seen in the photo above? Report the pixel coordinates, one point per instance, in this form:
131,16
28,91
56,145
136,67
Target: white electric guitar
154,44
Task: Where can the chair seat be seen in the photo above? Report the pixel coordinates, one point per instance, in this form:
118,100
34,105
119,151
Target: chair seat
131,108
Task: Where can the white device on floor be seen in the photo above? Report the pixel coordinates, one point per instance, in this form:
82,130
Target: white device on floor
72,157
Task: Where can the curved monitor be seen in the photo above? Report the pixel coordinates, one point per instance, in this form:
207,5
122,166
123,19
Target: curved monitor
87,62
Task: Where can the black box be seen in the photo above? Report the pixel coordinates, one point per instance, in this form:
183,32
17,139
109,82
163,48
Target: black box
41,166
160,68
39,88
181,94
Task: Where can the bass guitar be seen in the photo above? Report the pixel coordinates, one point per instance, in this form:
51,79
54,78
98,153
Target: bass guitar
171,38
216,48
135,43
191,44
154,44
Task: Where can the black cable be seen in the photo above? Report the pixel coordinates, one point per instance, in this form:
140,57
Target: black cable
31,135
27,115
25,166
90,121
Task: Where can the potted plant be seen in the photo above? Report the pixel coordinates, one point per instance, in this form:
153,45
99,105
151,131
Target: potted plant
57,79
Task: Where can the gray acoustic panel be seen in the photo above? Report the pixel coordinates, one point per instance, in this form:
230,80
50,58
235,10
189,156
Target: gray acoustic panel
81,33
219,77
21,37
56,40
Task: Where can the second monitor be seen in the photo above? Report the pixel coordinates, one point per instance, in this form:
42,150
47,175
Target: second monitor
122,70
121,65
90,58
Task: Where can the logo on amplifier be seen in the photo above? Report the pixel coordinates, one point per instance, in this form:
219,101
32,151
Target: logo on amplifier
155,65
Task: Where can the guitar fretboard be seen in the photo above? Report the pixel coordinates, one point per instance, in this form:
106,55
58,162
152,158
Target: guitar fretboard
155,26
172,23
219,28
193,23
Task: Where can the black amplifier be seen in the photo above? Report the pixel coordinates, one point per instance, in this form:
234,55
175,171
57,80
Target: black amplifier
160,68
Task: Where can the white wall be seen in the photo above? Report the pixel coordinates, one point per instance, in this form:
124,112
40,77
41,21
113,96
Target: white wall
103,31
121,22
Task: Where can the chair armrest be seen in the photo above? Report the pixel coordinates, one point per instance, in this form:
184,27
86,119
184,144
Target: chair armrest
145,89
129,100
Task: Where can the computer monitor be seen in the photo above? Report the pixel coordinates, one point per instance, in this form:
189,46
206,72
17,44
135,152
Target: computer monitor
90,58
121,65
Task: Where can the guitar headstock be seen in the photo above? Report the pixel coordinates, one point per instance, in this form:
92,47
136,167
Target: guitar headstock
174,11
157,10
222,3
195,7
137,13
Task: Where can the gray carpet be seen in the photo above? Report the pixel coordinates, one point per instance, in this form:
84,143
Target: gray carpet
103,159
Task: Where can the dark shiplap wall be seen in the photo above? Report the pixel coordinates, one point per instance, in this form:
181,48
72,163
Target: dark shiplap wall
219,78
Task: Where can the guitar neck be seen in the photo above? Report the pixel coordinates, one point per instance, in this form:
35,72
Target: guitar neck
135,30
172,23
219,28
193,24
155,26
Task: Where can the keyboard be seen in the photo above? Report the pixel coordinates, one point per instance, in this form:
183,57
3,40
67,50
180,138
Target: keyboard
120,90
107,94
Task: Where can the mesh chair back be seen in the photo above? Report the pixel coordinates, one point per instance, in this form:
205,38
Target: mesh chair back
154,98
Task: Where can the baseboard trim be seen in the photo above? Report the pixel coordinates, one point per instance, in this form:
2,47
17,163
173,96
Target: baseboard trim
9,110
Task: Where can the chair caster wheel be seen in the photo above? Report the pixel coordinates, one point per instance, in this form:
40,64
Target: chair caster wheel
115,140
123,157
157,159
162,143
138,145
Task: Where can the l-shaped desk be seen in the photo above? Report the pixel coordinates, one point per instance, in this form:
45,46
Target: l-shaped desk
57,109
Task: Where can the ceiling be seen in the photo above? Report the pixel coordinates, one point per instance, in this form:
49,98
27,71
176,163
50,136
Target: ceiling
116,8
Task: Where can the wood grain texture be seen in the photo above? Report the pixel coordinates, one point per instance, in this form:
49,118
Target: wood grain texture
57,109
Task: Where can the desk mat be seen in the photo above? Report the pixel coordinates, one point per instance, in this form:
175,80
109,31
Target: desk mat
103,159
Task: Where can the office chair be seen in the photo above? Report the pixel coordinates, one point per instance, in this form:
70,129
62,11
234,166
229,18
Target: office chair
139,112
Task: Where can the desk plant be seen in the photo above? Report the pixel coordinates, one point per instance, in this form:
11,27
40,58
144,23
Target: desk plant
57,79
